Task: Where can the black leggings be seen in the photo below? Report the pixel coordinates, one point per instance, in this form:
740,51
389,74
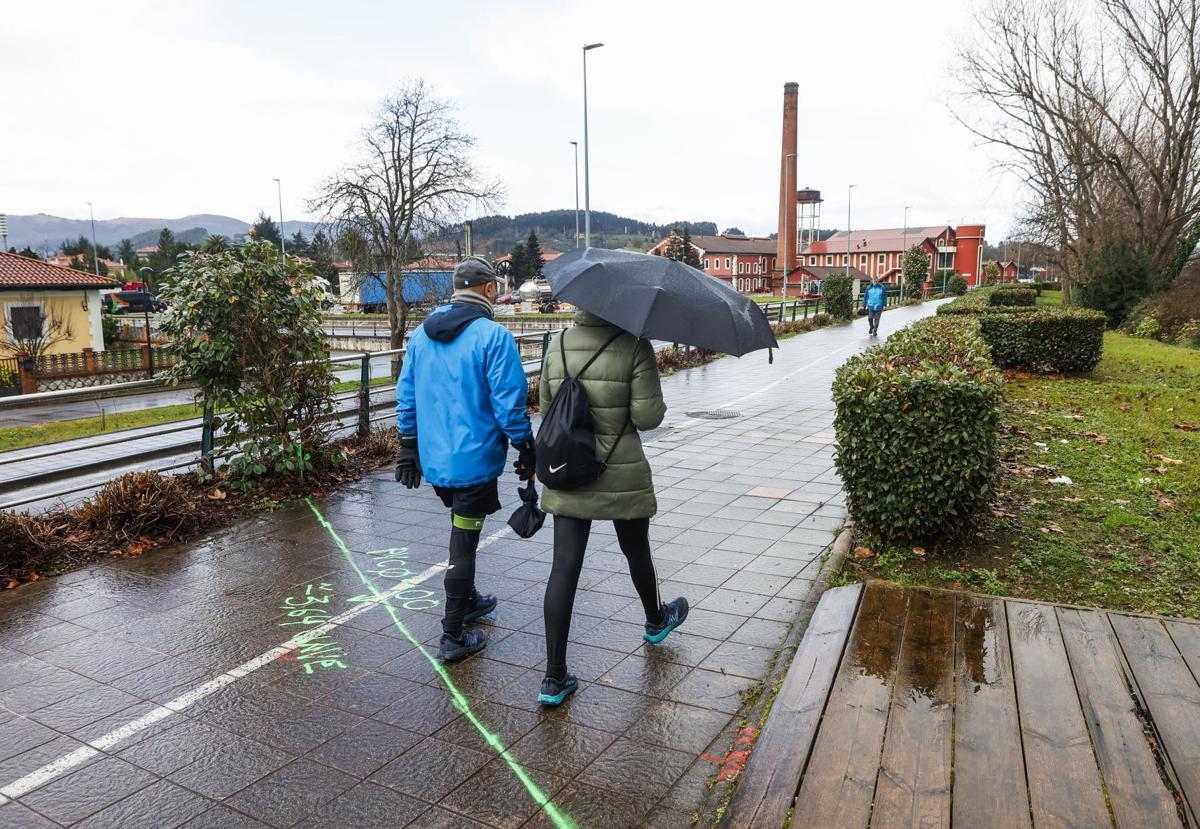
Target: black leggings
570,542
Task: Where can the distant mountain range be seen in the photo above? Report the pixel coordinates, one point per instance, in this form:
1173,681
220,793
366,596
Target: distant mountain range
492,235
43,232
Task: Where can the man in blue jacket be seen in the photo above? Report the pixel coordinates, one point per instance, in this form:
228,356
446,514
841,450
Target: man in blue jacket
875,299
461,398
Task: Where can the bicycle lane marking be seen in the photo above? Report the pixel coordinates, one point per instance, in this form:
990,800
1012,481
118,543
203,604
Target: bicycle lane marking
57,768
560,819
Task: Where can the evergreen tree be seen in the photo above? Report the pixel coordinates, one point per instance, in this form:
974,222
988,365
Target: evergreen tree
215,243
298,245
126,253
83,262
28,251
915,264
534,261
690,254
322,253
674,247
265,228
519,265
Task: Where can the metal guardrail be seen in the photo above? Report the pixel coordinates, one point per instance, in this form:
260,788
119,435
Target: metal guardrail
360,416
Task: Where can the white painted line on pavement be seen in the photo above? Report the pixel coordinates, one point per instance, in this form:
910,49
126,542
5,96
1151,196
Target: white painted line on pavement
57,768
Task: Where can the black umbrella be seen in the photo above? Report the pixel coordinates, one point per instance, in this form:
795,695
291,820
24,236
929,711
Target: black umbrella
527,519
661,299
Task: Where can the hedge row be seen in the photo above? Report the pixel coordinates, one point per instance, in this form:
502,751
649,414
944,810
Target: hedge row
917,426
1012,296
1056,340
1045,339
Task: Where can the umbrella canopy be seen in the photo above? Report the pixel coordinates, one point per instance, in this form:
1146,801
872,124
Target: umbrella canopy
660,298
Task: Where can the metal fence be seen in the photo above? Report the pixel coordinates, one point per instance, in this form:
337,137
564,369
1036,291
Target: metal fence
355,410
10,376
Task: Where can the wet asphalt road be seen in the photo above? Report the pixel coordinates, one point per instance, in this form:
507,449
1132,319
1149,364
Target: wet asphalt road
278,673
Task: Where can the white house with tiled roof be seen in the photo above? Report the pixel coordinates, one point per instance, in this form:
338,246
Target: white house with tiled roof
34,293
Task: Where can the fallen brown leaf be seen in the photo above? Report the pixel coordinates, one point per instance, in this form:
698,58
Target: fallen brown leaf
1165,459
217,494
863,552
1188,427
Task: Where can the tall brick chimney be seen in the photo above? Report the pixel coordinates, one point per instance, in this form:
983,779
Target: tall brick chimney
785,252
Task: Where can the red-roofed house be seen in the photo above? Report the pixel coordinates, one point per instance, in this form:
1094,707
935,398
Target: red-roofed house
745,262
36,296
878,252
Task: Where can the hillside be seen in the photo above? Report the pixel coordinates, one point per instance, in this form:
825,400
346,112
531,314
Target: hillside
496,235
44,232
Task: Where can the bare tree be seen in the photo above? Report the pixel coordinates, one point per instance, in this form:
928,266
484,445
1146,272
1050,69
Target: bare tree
33,327
413,173
1098,106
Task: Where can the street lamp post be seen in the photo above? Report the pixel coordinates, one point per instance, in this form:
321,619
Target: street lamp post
575,144
282,241
95,256
142,272
904,250
849,193
587,190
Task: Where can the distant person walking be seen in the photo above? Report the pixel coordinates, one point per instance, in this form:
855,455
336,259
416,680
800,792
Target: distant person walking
620,376
461,398
875,299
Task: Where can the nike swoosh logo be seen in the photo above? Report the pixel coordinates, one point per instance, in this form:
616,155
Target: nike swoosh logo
554,469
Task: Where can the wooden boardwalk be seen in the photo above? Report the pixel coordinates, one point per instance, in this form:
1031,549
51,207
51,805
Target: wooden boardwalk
932,708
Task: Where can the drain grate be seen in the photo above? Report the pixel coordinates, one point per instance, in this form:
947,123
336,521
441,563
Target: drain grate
714,414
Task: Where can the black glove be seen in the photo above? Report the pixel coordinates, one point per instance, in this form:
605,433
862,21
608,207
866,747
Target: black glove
526,462
408,463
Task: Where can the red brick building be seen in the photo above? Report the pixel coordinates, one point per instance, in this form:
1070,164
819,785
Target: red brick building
744,262
1008,271
879,252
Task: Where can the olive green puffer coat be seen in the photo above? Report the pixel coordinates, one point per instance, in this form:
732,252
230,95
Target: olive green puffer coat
622,385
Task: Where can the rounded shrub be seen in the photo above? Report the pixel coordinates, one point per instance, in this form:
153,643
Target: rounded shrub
1056,340
917,425
839,301
1013,296
957,285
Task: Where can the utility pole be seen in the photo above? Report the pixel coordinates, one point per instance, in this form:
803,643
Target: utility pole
587,188
95,256
849,193
575,144
282,240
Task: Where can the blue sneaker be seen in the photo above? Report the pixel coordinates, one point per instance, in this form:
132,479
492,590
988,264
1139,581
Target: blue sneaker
673,614
471,641
554,691
481,605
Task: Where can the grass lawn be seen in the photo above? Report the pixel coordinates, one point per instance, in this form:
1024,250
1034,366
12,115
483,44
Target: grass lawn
1126,532
19,437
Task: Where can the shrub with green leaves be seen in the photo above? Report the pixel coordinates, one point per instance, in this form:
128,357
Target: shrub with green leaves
839,301
1054,340
1013,296
917,425
957,285
246,327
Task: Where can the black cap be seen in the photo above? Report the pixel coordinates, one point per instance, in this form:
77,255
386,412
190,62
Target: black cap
473,271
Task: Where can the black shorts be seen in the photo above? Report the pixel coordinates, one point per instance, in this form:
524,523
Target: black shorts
473,501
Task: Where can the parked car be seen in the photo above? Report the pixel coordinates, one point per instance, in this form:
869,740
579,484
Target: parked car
133,302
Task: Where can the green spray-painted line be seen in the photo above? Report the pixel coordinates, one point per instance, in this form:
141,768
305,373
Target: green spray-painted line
561,820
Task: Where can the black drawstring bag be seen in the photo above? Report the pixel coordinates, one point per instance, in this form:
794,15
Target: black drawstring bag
527,519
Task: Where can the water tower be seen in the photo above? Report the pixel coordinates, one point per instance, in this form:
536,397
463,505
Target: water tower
808,219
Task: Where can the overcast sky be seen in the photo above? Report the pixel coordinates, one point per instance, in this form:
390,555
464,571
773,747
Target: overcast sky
165,109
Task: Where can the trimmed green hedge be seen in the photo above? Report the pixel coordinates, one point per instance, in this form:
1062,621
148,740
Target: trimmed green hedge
1013,296
837,292
980,301
917,425
1057,340
957,285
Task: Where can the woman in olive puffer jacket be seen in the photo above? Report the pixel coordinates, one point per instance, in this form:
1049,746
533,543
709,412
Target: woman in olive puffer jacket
625,396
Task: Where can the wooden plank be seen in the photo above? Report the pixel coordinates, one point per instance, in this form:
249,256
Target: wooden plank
768,784
1186,636
989,768
1171,696
1136,792
914,777
1064,782
839,780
